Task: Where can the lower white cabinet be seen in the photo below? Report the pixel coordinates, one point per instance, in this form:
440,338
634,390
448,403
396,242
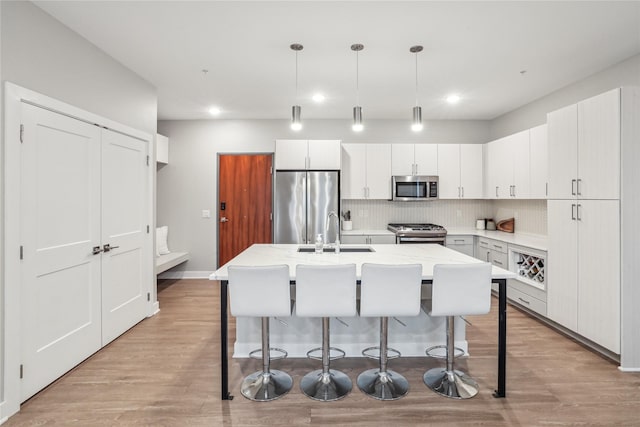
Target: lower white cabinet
583,293
463,244
368,239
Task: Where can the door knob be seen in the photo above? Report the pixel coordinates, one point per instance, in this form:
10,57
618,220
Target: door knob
96,250
224,219
108,247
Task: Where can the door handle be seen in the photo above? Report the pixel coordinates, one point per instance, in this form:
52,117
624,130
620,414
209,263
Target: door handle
108,247
224,219
96,250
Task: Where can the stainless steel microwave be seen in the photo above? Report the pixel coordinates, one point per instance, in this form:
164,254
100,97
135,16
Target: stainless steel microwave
411,188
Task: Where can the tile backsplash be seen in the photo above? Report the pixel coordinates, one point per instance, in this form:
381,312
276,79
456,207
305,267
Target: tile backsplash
530,215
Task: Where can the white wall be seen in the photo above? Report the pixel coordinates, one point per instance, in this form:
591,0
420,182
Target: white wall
625,73
39,53
188,184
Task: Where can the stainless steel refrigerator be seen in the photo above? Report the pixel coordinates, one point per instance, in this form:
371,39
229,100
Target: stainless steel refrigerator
303,201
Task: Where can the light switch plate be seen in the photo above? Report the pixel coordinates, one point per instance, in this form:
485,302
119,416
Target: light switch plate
206,213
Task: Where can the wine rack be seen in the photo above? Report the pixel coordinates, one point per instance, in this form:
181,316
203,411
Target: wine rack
530,268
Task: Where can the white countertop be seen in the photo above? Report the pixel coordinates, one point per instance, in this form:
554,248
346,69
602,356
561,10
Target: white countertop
535,241
428,255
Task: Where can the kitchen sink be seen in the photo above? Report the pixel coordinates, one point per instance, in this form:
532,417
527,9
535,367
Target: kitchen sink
342,249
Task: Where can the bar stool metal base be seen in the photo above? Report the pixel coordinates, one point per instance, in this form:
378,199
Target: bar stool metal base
454,384
326,387
388,385
263,387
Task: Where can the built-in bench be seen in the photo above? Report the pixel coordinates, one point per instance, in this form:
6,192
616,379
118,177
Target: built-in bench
170,260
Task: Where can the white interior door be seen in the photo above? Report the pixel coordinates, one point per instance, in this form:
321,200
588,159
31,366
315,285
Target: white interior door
124,227
59,226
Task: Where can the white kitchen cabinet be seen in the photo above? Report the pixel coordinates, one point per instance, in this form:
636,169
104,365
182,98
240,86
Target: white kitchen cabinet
463,244
528,290
366,171
460,171
584,149
508,167
583,292
414,159
162,149
300,154
368,239
538,161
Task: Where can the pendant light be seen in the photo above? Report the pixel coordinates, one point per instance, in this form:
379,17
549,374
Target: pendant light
416,123
296,122
357,110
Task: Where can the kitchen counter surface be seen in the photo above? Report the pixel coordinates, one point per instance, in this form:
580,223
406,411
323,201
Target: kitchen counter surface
535,241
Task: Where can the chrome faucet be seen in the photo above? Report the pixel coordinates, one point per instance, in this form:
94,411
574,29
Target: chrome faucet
333,214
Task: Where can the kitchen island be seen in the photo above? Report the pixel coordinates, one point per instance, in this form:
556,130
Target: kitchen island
302,334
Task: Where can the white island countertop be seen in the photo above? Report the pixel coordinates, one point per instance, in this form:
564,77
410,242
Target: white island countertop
428,255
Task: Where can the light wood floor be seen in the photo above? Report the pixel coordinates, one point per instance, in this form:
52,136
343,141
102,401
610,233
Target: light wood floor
165,372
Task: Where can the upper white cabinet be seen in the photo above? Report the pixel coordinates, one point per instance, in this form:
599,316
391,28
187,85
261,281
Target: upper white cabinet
366,171
460,171
584,149
538,161
414,159
507,167
162,149
297,154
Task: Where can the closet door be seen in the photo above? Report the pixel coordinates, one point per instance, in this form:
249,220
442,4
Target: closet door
124,229
59,226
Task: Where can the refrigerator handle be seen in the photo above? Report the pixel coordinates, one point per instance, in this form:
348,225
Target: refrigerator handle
307,201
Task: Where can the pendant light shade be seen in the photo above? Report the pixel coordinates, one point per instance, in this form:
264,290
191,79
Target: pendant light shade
357,110
357,119
416,122
296,110
296,124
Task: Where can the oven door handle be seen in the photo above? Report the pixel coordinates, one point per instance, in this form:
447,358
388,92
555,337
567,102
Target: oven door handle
406,239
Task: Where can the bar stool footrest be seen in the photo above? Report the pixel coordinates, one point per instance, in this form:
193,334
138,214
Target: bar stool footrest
257,354
341,353
367,353
457,352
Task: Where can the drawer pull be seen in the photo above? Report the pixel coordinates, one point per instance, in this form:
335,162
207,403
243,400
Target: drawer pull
524,301
458,240
497,246
495,261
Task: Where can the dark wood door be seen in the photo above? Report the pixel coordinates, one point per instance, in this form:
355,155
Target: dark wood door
245,199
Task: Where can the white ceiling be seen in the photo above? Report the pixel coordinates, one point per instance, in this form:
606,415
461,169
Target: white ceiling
477,49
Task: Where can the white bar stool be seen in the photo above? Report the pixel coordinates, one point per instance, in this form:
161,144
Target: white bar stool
458,290
325,291
387,290
262,292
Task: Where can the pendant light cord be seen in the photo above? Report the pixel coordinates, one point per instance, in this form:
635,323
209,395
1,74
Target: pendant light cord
416,79
357,77
296,98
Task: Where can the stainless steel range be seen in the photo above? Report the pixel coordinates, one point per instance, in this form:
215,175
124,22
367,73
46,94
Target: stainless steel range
419,233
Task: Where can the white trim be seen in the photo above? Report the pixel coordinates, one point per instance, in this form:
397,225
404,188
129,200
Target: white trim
155,309
14,98
185,275
620,368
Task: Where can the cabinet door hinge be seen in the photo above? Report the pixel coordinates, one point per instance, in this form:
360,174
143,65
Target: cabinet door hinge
147,229
21,133
147,160
148,296
21,252
21,371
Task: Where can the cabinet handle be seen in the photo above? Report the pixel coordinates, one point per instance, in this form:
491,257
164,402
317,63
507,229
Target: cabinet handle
462,192
458,192
96,250
497,246
524,301
496,191
108,247
573,187
578,187
488,256
514,191
573,212
495,261
458,240
579,218
546,188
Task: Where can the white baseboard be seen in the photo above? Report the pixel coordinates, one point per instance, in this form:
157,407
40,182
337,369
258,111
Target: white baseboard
154,309
185,275
628,369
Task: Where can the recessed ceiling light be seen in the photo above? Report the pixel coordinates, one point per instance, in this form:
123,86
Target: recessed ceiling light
214,111
453,98
318,97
